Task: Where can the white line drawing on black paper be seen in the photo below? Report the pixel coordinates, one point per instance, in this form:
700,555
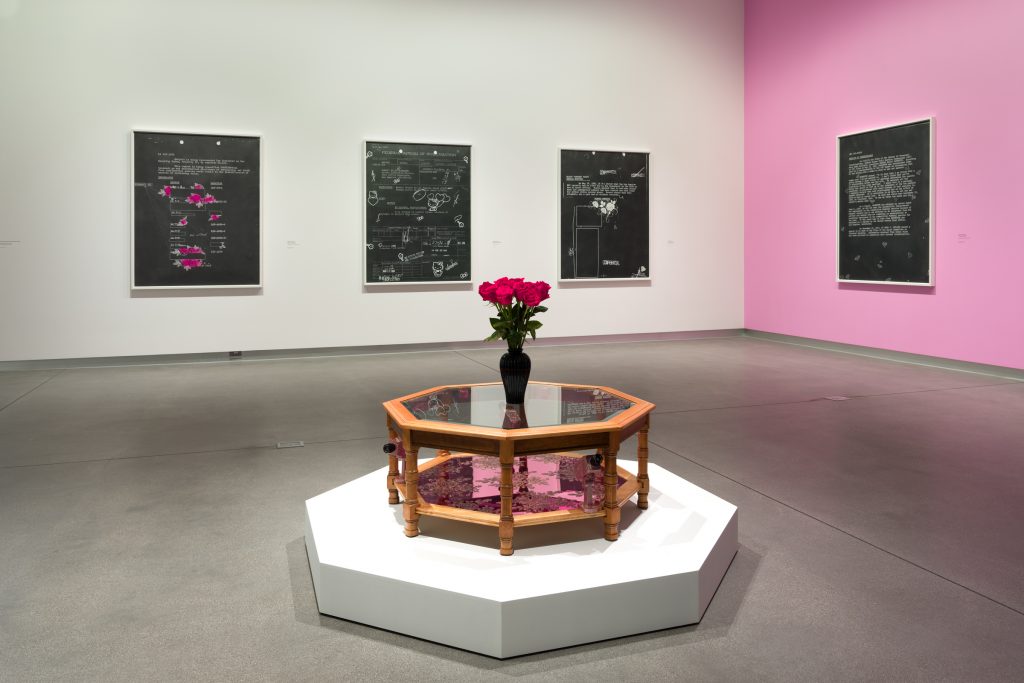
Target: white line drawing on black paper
607,207
590,238
435,200
587,224
407,244
642,173
587,218
411,257
372,200
641,272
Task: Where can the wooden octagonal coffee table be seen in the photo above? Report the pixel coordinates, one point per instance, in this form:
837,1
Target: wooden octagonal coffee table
516,465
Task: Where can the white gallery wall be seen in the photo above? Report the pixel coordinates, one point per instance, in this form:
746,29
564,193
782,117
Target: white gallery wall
515,78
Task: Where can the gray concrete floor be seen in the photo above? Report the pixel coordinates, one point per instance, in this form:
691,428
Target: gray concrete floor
149,529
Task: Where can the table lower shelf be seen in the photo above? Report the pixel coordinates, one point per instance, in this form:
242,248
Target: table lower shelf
546,489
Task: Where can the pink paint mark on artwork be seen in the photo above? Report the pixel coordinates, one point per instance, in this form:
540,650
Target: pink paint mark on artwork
165,191
189,263
214,216
196,199
189,251
183,221
197,186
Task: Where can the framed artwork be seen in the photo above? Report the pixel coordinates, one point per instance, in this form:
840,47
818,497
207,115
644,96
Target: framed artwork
417,213
604,215
885,232
195,211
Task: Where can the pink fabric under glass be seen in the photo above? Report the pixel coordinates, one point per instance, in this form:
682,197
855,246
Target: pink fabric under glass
540,483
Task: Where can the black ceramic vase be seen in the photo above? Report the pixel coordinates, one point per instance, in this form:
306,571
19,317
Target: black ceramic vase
515,373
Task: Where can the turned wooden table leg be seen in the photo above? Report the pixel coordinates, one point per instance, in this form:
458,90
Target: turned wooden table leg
392,468
412,495
506,524
611,491
641,466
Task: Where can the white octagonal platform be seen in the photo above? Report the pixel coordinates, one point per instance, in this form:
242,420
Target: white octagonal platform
565,585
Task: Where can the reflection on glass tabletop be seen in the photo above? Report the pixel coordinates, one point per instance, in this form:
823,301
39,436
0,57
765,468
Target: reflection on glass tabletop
546,405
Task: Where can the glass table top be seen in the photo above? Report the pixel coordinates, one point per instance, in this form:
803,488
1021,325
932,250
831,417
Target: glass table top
546,405
540,483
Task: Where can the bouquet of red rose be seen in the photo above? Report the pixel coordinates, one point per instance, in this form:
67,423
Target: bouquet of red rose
517,302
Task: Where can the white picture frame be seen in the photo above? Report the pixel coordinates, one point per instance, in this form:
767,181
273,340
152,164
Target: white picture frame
563,248
367,245
839,227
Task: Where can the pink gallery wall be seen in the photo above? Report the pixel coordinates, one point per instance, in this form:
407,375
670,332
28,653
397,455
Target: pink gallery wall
816,69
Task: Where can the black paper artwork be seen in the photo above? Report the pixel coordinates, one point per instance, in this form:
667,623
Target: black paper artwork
417,213
885,205
605,230
196,216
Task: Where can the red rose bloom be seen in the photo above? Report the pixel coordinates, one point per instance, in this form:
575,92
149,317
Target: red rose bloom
486,291
503,294
521,287
542,288
530,294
